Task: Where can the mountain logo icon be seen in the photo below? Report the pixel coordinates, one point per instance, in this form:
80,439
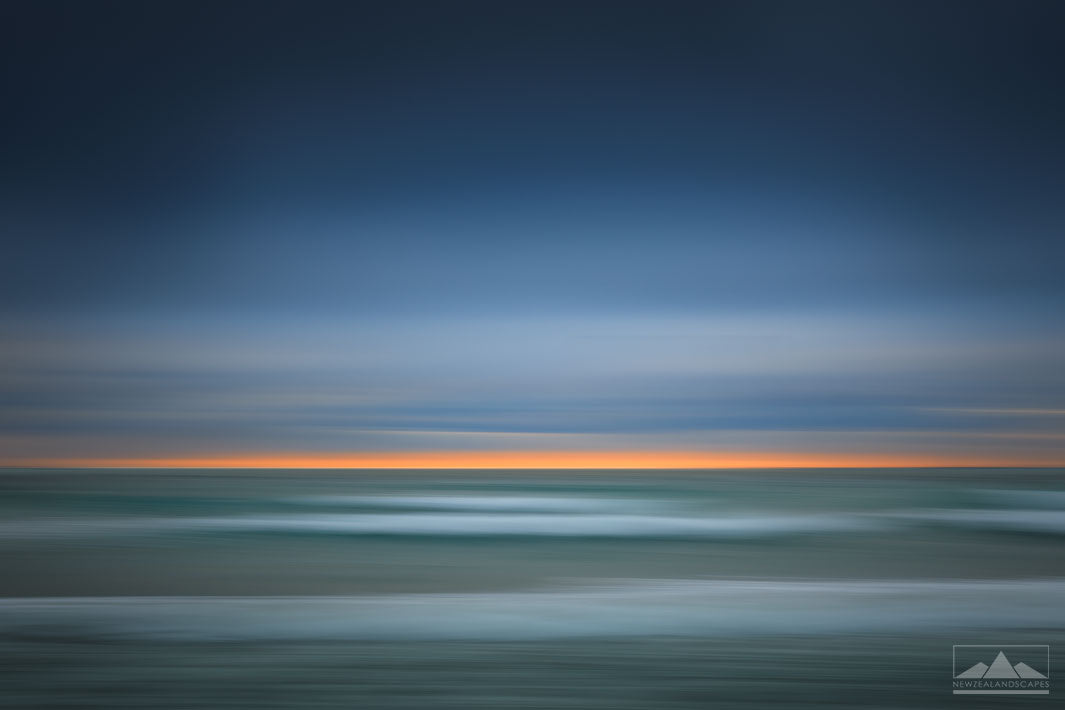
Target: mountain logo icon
1000,668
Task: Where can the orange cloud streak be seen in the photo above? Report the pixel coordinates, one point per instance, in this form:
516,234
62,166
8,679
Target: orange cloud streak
537,460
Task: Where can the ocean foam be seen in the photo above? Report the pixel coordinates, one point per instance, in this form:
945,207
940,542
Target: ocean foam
479,503
1046,522
682,608
457,524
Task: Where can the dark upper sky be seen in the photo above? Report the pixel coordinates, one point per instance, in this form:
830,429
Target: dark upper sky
735,224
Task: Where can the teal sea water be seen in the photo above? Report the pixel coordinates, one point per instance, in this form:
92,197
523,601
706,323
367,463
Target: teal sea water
460,589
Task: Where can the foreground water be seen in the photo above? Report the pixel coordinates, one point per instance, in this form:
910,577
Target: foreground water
264,589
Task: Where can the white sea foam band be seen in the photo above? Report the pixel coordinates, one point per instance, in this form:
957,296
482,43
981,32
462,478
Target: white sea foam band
1046,522
454,524
614,608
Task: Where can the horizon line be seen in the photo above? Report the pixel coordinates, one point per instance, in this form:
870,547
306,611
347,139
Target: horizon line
535,460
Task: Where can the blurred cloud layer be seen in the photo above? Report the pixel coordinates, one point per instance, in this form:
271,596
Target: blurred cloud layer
756,382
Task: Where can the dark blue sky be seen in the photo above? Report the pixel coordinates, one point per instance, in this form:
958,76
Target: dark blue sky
313,226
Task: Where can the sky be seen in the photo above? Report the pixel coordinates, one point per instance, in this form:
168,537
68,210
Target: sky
413,232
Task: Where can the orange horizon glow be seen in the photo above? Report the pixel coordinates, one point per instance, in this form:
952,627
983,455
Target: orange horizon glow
538,460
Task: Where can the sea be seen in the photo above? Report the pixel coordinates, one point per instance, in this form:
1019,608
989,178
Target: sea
259,589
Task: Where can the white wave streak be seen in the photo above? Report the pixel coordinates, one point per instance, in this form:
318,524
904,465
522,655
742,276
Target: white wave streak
477,524
484,503
1047,522
683,608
